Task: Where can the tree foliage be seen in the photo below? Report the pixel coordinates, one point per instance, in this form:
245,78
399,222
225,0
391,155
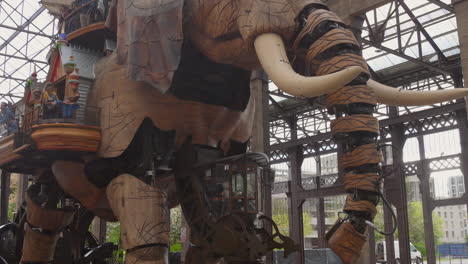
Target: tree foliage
176,229
280,214
416,226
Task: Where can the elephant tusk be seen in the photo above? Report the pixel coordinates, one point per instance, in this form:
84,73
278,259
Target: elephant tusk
393,96
272,55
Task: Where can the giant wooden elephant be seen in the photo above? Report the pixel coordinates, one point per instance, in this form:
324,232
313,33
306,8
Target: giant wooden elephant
175,94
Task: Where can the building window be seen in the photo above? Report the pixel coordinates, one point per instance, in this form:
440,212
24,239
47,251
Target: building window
445,214
451,215
446,234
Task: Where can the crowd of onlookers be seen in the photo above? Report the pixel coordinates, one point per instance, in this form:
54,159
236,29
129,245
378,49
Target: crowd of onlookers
48,101
7,118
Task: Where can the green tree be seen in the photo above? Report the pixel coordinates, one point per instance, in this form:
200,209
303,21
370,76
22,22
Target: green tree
11,210
416,226
280,214
113,235
176,228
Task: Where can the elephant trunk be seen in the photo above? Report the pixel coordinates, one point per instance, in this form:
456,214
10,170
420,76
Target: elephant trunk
330,47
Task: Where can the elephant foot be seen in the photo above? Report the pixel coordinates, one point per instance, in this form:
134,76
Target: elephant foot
143,213
38,247
72,179
43,229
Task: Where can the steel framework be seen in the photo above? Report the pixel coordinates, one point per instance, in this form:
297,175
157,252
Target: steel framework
26,32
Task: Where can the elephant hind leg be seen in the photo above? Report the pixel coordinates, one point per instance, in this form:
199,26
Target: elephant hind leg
143,213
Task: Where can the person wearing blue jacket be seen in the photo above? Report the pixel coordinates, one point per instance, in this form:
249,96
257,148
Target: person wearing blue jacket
7,118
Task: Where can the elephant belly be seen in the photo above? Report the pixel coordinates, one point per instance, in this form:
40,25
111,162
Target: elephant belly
125,103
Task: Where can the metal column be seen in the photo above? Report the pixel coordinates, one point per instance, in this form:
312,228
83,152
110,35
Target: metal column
321,225
424,176
260,135
398,142
462,120
4,182
296,225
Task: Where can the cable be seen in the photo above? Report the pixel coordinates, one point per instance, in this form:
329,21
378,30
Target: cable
385,201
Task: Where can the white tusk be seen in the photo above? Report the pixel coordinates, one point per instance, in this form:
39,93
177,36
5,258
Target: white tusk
272,55
393,96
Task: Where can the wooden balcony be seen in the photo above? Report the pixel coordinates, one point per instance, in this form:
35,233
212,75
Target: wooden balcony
39,142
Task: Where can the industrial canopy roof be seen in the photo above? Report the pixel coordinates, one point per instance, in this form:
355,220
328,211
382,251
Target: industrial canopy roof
26,33
406,43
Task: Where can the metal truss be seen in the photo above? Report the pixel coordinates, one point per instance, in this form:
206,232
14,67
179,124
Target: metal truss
413,35
26,33
424,122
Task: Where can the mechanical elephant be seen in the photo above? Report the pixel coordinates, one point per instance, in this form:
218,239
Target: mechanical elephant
175,100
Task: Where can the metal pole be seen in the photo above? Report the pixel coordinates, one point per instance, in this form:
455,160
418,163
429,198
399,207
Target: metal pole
427,202
260,141
321,224
295,203
4,197
372,246
399,197
389,240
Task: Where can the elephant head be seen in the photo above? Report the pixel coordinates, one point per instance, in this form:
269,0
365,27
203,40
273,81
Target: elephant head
244,33
154,38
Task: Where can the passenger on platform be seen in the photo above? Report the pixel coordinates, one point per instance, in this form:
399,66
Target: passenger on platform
37,98
7,118
68,108
49,102
70,104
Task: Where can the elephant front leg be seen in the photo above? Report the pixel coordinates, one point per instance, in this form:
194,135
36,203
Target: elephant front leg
44,225
331,48
143,213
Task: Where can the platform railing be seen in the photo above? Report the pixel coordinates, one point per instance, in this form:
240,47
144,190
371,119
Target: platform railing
87,116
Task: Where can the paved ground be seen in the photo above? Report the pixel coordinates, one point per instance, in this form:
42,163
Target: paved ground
453,261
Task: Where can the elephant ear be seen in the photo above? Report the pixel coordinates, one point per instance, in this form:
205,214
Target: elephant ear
149,38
